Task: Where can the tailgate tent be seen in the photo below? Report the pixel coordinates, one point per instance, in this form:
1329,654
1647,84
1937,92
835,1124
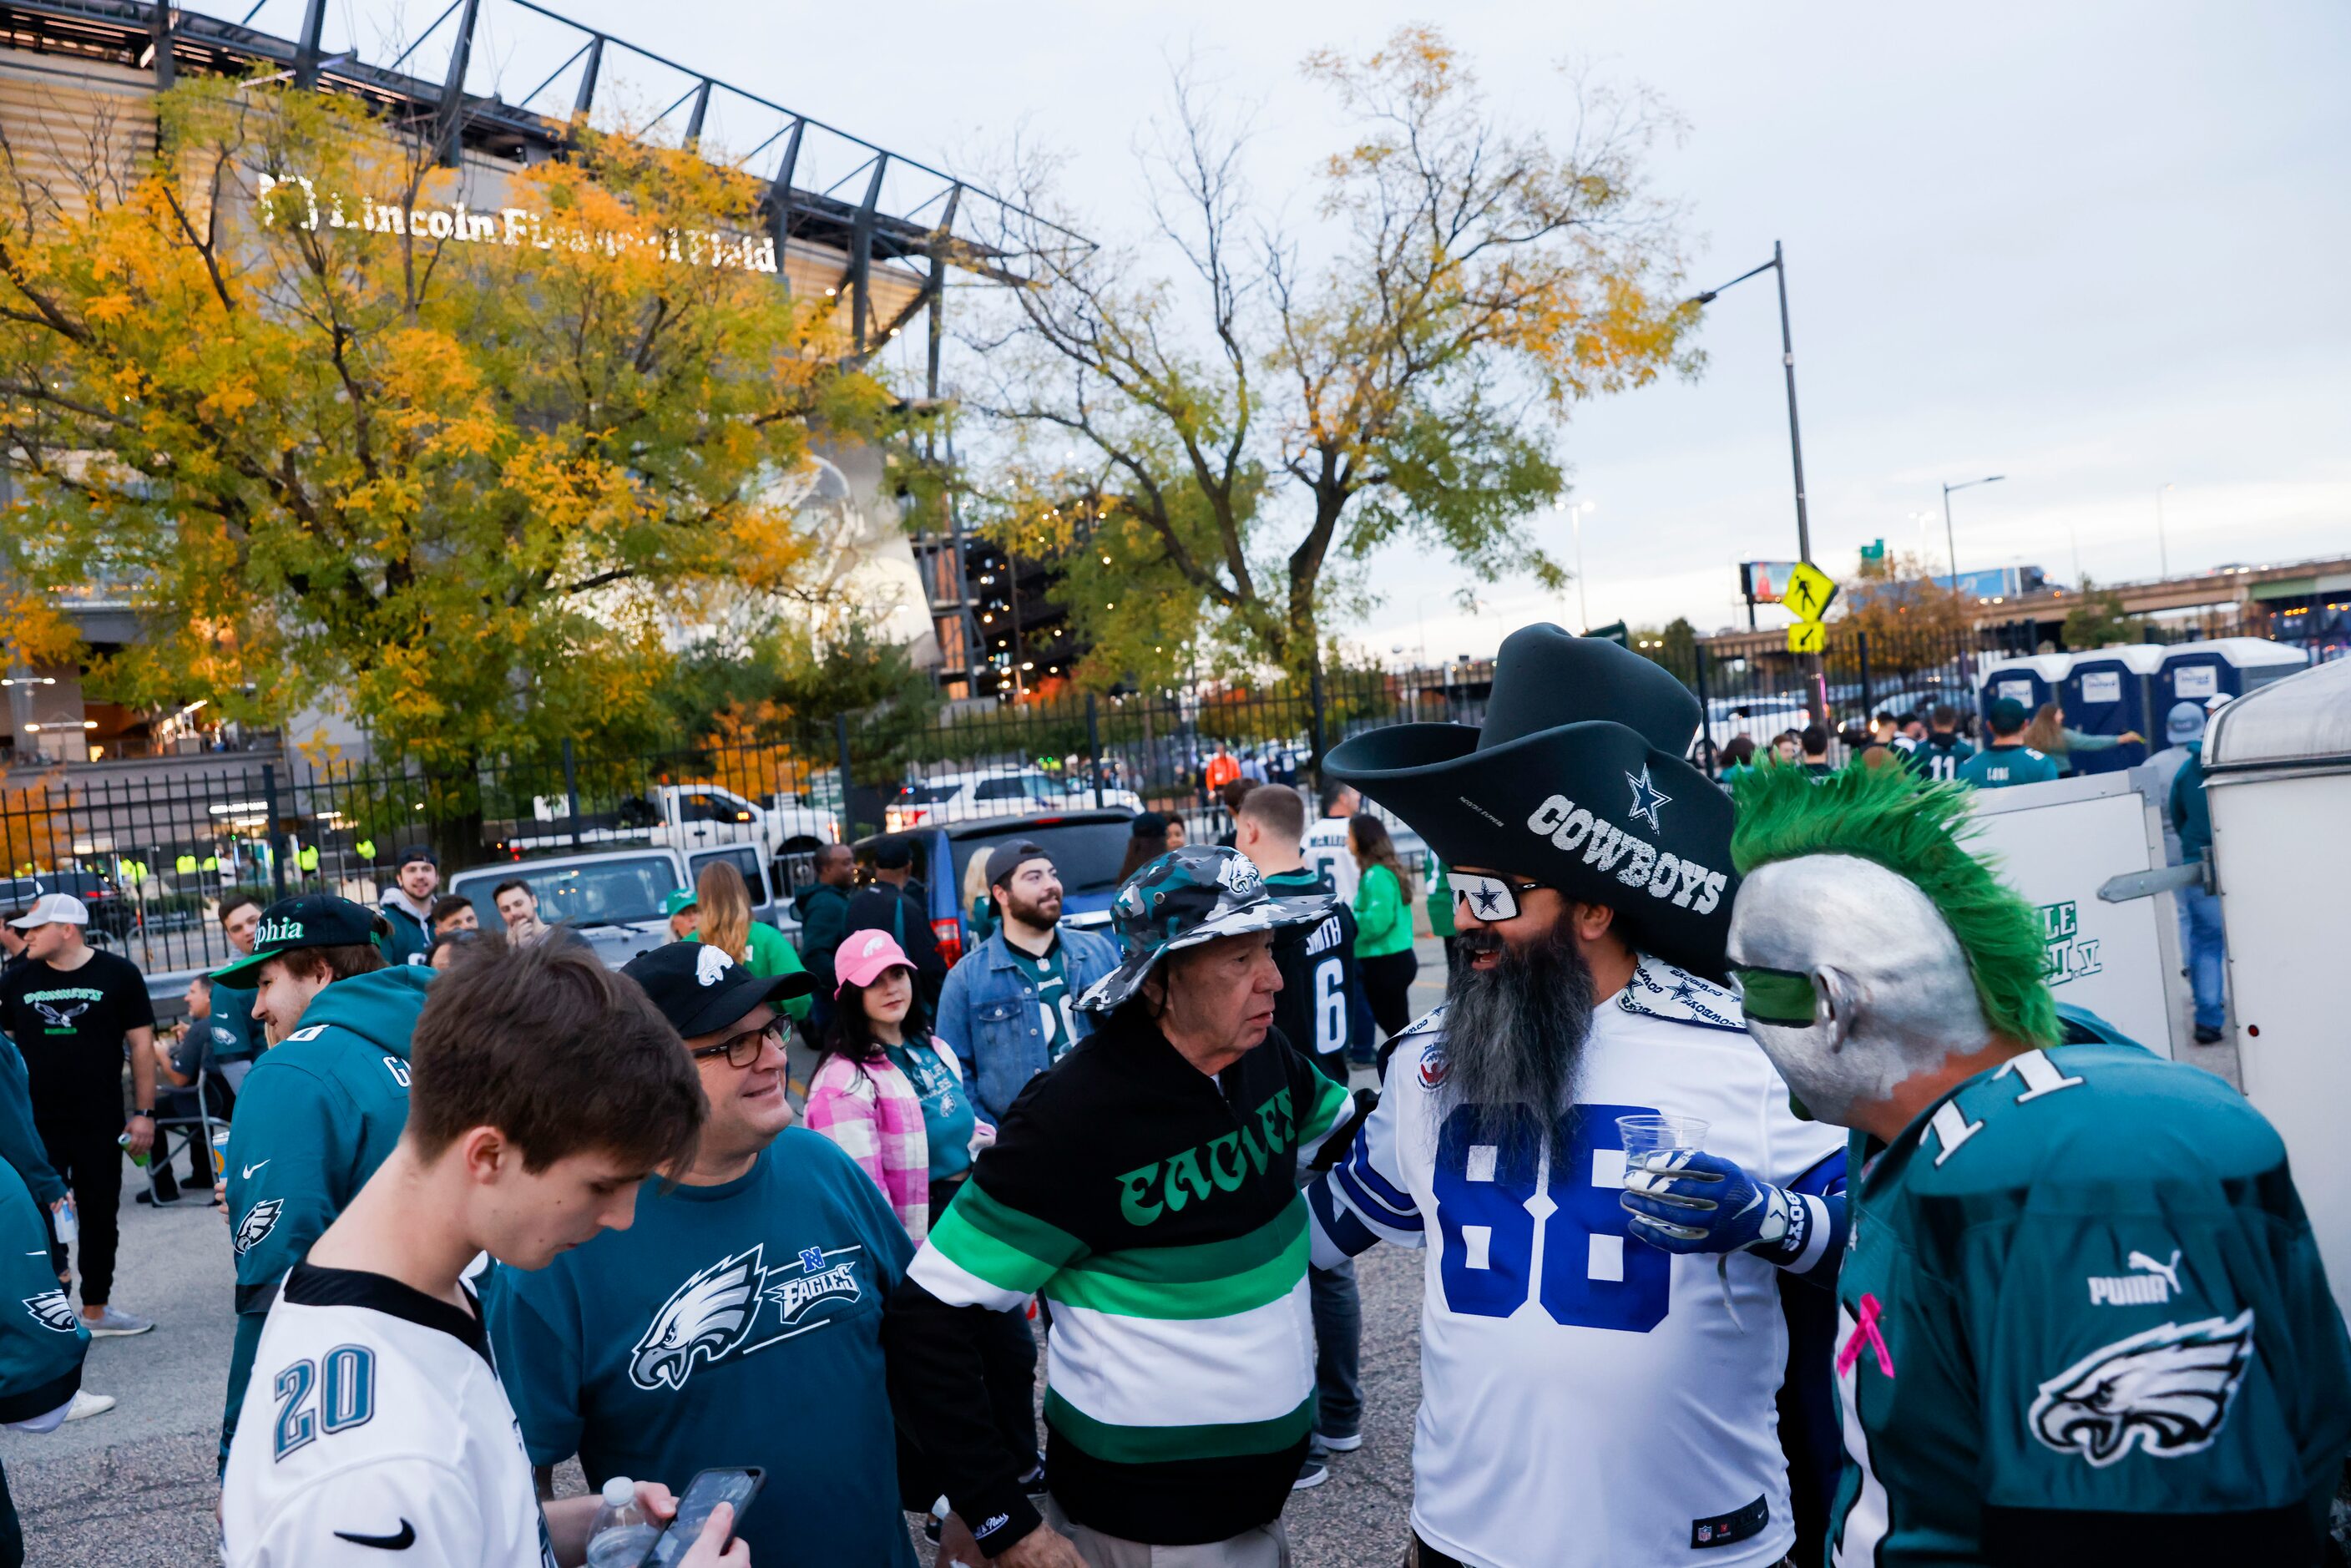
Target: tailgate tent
2108,692
2030,678
2193,671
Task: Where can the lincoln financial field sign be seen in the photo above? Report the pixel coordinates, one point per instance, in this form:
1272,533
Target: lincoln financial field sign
294,200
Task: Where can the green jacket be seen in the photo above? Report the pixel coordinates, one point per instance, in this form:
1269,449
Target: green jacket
2191,817
232,1010
771,956
1383,923
1441,902
824,921
319,1112
42,1338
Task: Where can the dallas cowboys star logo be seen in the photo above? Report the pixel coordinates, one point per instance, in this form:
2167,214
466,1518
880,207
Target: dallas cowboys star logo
1647,798
1488,899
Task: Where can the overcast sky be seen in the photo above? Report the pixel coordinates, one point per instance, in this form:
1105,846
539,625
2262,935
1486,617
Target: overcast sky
2096,247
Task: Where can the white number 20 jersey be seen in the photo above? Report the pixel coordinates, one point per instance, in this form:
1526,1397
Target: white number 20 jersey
375,1435
1585,1398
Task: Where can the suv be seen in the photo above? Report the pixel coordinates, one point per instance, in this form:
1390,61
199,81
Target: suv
1088,847
614,899
960,797
111,915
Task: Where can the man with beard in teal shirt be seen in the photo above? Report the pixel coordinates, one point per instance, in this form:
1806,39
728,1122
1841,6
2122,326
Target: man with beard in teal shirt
739,1320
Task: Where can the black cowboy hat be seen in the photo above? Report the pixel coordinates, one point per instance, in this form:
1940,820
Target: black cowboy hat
1578,781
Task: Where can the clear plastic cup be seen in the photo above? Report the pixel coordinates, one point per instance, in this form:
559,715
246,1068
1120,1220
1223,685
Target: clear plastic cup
1645,1135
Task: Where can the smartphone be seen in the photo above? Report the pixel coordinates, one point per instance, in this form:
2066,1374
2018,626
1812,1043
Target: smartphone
705,1492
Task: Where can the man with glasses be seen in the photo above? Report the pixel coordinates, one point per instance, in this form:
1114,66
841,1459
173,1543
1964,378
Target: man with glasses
1591,893
739,1320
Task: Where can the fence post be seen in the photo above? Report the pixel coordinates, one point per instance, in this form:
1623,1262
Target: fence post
1861,646
1314,695
277,838
1093,746
841,733
571,792
1705,708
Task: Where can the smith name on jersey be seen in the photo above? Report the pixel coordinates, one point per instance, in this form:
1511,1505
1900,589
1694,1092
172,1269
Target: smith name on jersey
375,1432
2081,1302
1585,1398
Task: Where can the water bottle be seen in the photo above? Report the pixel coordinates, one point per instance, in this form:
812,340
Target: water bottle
621,1532
67,1220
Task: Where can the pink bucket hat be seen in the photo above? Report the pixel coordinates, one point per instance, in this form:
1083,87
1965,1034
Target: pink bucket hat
862,956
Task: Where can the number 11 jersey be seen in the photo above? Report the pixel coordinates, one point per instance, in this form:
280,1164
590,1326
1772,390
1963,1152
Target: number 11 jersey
1585,1398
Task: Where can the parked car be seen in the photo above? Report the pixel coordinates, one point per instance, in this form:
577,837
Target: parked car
962,796
113,916
686,815
613,898
1086,846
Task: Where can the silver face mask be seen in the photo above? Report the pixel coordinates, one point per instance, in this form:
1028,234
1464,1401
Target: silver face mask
1868,959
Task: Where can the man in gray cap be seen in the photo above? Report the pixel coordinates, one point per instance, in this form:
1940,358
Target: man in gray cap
1146,1187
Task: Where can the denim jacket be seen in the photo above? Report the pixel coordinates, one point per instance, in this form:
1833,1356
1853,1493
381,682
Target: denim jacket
987,1013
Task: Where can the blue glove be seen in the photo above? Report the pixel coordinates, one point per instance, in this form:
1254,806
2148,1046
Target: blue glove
1685,1202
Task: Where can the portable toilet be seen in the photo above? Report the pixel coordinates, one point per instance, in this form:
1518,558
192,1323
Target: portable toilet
2111,691
2193,672
2030,679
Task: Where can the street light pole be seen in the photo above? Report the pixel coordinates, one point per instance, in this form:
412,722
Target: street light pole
2162,550
1777,264
1575,511
1951,548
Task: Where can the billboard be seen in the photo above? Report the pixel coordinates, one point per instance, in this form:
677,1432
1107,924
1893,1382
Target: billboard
1765,581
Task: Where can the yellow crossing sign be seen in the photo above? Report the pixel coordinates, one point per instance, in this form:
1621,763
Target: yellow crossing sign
1808,594
1808,637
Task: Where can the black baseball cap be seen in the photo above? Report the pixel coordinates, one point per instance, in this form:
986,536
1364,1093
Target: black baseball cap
306,920
893,854
1009,858
417,852
701,989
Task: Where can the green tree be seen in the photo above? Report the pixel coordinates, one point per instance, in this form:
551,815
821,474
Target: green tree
463,488
2100,619
1251,431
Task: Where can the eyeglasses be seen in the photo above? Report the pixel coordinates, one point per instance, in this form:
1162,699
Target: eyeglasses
1491,898
743,1049
1782,997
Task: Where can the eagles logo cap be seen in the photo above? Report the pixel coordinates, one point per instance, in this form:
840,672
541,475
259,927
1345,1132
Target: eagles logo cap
701,989
306,920
53,909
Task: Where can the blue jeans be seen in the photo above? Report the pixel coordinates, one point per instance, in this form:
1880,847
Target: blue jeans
1338,1350
2201,932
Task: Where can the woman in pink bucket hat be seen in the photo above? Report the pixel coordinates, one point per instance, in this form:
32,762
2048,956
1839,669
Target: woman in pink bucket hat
888,1091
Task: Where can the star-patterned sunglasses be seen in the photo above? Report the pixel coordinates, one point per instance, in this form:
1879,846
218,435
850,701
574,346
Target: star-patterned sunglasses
1491,898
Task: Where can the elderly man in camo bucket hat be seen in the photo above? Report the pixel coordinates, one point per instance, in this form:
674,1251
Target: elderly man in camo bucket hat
1145,1187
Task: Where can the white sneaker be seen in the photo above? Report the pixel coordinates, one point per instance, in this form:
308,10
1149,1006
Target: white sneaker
86,1404
111,1323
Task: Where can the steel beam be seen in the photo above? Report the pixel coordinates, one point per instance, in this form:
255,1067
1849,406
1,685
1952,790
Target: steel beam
158,28
694,120
306,44
588,74
779,195
452,91
860,250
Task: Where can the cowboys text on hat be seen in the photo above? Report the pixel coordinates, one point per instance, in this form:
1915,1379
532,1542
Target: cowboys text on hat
1569,825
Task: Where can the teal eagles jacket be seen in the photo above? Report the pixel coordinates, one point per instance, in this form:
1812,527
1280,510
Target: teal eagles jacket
42,1339
318,1113
237,1033
20,1142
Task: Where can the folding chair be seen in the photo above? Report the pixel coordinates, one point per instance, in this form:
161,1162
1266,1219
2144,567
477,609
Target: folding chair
195,1133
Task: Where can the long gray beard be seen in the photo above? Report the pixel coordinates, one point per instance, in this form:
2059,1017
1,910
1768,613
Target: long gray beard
1514,1034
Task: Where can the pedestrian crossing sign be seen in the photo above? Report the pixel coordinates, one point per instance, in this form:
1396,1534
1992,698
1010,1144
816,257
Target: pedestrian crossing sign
1808,637
1808,592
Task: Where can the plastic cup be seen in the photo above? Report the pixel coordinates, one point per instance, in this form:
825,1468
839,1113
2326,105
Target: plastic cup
1646,1135
219,1141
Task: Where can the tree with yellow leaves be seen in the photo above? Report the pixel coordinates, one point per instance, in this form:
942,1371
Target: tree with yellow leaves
1232,442
451,452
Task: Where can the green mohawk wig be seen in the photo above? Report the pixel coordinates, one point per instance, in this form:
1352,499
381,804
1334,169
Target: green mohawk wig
1917,830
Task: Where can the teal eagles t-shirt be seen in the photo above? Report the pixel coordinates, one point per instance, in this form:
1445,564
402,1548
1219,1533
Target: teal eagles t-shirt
948,1118
1055,1006
736,1324
1998,766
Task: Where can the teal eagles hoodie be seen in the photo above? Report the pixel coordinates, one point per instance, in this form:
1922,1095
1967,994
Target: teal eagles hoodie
42,1340
318,1113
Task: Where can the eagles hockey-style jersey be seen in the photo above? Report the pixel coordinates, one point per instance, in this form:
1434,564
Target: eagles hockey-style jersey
2081,1300
375,1432
1585,1398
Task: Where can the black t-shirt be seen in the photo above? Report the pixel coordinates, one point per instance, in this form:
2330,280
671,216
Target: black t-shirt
1321,988
70,1025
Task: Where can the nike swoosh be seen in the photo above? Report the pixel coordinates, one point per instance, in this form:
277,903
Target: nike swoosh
400,1542
250,1169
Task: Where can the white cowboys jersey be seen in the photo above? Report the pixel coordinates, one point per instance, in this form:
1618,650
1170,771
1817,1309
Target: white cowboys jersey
1586,1399
375,1433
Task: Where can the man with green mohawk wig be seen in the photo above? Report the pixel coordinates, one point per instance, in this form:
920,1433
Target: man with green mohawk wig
2081,1316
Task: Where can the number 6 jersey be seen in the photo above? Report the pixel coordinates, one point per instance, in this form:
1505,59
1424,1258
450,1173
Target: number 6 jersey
375,1432
1585,1398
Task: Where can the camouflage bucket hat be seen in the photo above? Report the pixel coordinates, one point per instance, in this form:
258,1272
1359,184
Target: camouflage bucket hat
1184,898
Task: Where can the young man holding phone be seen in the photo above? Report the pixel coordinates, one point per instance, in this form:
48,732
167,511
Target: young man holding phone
544,1090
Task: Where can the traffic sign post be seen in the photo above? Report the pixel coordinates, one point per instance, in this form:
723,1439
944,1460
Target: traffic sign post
1808,637
1810,590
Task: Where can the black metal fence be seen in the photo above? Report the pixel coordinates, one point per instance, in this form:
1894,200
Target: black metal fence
154,846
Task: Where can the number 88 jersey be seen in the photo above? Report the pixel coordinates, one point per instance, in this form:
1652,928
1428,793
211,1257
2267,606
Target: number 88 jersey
1585,1398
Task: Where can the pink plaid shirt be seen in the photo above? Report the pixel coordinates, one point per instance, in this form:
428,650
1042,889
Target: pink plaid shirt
876,1117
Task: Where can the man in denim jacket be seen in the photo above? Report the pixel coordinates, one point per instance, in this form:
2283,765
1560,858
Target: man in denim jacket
1009,1007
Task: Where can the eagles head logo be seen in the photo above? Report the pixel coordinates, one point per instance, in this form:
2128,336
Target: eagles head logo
2166,1390
57,1019
1238,877
51,1311
711,964
259,1222
706,1317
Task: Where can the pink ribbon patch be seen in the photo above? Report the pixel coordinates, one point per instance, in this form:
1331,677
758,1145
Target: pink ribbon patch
1865,1328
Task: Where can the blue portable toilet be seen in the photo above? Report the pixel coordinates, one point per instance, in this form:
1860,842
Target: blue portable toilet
2111,691
2030,679
2193,672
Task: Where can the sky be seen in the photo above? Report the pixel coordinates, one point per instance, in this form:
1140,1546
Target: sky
2096,247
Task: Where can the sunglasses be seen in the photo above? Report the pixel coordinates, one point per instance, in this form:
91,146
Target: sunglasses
743,1049
1491,898
1782,997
